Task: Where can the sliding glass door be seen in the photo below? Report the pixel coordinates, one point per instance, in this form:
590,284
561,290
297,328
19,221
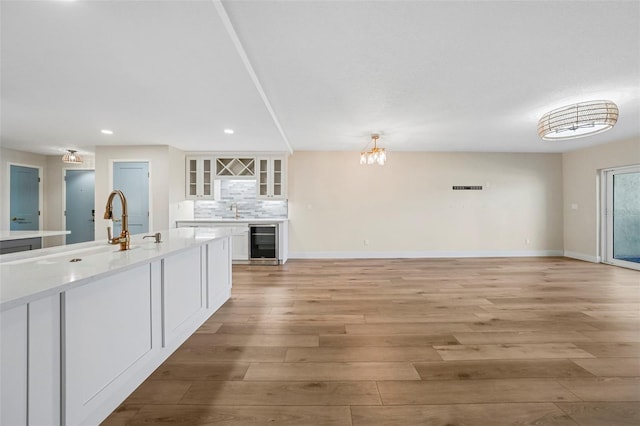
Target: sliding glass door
621,209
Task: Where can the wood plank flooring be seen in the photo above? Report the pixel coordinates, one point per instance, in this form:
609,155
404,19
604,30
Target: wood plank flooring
526,341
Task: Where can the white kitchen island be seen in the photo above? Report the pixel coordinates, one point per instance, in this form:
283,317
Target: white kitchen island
78,336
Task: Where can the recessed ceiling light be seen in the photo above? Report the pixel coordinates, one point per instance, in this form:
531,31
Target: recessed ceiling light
106,131
228,131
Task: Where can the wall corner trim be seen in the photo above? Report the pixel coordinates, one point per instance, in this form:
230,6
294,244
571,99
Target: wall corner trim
582,256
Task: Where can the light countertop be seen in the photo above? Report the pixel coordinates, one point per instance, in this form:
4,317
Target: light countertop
239,220
34,274
20,235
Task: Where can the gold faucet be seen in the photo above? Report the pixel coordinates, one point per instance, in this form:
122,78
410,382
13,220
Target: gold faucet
123,239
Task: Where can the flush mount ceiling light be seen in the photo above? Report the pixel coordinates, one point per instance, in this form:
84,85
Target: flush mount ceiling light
376,155
229,131
71,157
578,120
106,132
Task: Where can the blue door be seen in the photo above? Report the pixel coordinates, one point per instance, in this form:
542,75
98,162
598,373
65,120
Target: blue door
79,205
133,180
24,199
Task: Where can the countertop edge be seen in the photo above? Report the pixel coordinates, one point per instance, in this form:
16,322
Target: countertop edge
59,288
23,235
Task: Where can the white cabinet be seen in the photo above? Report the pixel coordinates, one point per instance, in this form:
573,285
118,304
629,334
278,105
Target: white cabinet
240,241
30,363
199,179
182,291
271,175
13,366
44,361
240,244
218,273
107,336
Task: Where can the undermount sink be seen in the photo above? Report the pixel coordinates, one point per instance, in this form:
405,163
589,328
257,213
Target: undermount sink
69,255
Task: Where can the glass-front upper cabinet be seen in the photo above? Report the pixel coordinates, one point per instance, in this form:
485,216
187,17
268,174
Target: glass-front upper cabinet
199,178
271,178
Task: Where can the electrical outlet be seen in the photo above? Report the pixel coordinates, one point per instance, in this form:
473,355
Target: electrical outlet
527,241
366,242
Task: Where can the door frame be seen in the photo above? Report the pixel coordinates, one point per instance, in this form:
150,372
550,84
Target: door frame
606,226
131,160
40,192
64,194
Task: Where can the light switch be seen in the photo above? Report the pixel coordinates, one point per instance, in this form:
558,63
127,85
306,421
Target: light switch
574,206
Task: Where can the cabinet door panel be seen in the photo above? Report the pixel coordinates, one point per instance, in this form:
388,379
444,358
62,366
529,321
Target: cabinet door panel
192,178
199,178
107,332
182,290
13,366
263,177
240,244
207,176
218,273
272,178
277,177
44,361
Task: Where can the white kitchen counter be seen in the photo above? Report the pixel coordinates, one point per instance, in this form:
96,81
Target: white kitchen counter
20,235
29,275
241,241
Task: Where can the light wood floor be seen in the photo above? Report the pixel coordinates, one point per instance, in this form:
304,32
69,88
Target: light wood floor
544,341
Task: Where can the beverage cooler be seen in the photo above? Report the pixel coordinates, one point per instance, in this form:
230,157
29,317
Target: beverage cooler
263,244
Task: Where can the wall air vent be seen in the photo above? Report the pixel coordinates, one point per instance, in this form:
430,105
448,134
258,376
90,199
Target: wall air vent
467,188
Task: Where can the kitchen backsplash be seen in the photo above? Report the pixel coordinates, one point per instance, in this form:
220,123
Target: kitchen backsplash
242,192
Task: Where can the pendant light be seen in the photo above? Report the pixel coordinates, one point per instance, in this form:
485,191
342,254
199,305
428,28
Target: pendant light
376,155
71,157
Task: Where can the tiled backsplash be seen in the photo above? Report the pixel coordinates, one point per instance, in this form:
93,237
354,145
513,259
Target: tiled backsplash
242,193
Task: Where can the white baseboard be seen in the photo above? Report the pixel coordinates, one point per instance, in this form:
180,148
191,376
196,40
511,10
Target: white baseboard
582,256
421,254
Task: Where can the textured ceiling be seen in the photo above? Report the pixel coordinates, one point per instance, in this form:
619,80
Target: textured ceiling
312,75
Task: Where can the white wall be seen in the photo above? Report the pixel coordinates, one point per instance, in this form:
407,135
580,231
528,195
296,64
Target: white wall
165,173
581,171
408,209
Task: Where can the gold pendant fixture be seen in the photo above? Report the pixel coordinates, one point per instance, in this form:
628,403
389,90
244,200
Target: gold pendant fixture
376,155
